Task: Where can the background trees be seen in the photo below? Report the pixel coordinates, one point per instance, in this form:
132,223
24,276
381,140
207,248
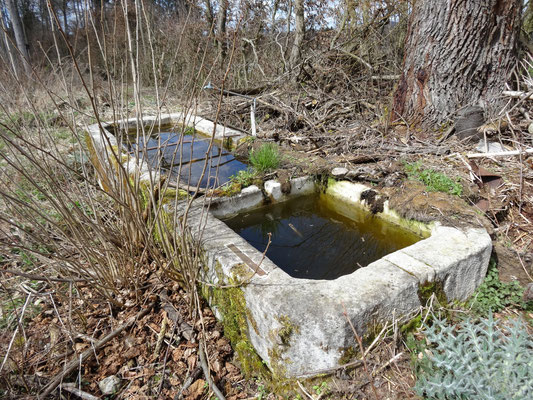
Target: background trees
457,54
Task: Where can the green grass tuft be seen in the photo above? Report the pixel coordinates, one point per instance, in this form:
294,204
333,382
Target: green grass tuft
266,158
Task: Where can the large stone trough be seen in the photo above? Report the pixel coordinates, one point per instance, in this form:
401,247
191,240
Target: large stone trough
300,327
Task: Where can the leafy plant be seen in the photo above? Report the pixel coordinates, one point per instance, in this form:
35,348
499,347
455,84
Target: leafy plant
240,180
321,389
477,360
495,295
434,181
265,158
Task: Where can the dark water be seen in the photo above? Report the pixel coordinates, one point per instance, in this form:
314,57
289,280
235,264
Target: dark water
317,237
169,150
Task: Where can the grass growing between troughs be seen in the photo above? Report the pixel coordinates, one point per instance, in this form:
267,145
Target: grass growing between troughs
434,181
266,158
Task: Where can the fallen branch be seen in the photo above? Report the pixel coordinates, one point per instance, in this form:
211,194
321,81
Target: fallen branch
518,94
71,387
90,352
207,374
45,278
500,153
21,318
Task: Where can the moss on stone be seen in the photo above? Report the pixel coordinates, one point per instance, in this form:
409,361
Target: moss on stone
287,329
426,289
411,325
231,304
348,354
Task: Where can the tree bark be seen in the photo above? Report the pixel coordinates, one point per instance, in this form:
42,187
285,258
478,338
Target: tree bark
299,33
458,53
221,29
209,14
19,35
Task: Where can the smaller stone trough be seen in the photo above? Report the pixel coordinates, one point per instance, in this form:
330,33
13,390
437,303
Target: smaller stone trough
299,327
103,144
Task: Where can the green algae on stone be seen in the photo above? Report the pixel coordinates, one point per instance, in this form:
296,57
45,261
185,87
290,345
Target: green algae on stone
425,290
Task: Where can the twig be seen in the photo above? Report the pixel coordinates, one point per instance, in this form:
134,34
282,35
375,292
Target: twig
392,360
74,363
305,391
523,266
16,331
165,360
362,349
518,94
207,374
44,278
160,337
188,382
71,387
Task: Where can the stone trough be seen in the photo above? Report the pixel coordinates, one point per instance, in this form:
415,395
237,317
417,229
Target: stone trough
299,327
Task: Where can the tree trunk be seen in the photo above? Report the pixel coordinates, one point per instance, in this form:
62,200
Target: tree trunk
209,14
458,53
221,29
19,35
299,33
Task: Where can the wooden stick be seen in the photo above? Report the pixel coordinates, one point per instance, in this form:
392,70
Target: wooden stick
518,94
44,278
70,387
207,374
500,153
90,352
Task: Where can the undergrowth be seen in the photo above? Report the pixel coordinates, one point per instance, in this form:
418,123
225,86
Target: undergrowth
239,181
476,360
434,181
495,295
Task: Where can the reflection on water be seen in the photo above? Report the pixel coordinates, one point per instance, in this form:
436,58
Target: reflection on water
318,237
185,156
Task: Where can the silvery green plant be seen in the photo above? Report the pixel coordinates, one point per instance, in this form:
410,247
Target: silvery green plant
477,360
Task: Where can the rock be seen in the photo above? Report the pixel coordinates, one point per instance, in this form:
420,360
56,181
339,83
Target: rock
530,128
339,172
110,385
273,188
469,119
490,147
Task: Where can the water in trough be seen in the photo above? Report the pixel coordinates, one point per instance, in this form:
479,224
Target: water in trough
184,156
318,237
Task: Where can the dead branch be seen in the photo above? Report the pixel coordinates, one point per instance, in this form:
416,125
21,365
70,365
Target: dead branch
501,153
207,374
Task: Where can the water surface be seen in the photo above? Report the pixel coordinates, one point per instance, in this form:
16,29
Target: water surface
319,237
184,156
